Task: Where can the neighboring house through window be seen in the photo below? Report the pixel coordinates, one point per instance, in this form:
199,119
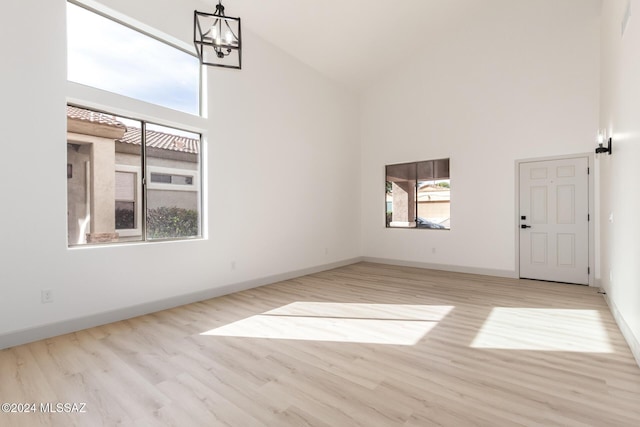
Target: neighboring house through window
107,199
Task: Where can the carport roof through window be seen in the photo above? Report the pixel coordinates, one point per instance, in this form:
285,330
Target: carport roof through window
418,195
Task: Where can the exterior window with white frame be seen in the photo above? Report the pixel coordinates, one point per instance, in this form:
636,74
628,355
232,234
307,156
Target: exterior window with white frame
128,201
125,200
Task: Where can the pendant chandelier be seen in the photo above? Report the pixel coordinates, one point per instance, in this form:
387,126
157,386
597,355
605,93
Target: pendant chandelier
218,38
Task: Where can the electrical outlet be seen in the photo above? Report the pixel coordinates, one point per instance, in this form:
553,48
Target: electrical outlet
46,296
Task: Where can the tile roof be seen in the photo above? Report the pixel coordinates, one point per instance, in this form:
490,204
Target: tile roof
93,117
162,140
155,139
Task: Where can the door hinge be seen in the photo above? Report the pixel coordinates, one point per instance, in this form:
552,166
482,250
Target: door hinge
588,270
588,217
588,171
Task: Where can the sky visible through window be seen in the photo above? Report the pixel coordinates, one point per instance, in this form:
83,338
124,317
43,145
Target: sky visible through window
107,55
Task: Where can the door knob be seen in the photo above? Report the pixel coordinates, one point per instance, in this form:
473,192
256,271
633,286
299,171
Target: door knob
525,226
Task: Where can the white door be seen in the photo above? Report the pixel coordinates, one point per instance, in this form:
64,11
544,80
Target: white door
554,220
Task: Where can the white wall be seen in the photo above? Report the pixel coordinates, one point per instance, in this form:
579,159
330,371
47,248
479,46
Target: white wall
509,80
619,173
282,168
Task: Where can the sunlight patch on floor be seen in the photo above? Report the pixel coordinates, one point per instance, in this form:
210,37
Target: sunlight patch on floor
544,329
395,324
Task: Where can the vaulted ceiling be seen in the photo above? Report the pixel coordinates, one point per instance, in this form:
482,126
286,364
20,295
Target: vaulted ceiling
353,42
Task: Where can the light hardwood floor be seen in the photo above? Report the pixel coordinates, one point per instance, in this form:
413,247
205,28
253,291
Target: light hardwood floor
363,345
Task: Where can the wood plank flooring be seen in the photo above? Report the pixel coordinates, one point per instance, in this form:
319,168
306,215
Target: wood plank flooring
363,345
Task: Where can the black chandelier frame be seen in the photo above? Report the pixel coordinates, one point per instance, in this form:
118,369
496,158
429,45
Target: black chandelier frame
213,48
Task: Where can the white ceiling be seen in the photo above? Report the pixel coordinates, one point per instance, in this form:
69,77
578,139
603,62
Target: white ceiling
351,41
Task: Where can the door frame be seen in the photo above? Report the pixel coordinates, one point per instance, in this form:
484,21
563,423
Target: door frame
592,212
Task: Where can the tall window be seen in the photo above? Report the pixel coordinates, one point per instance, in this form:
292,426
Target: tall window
128,179
107,55
108,199
418,195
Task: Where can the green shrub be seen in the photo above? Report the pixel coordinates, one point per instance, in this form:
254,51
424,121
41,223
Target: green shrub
166,222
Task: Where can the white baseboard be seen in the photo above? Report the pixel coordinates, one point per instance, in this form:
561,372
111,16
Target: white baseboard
631,339
24,336
443,267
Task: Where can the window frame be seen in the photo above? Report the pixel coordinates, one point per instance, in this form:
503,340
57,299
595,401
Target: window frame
153,33
144,184
416,180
